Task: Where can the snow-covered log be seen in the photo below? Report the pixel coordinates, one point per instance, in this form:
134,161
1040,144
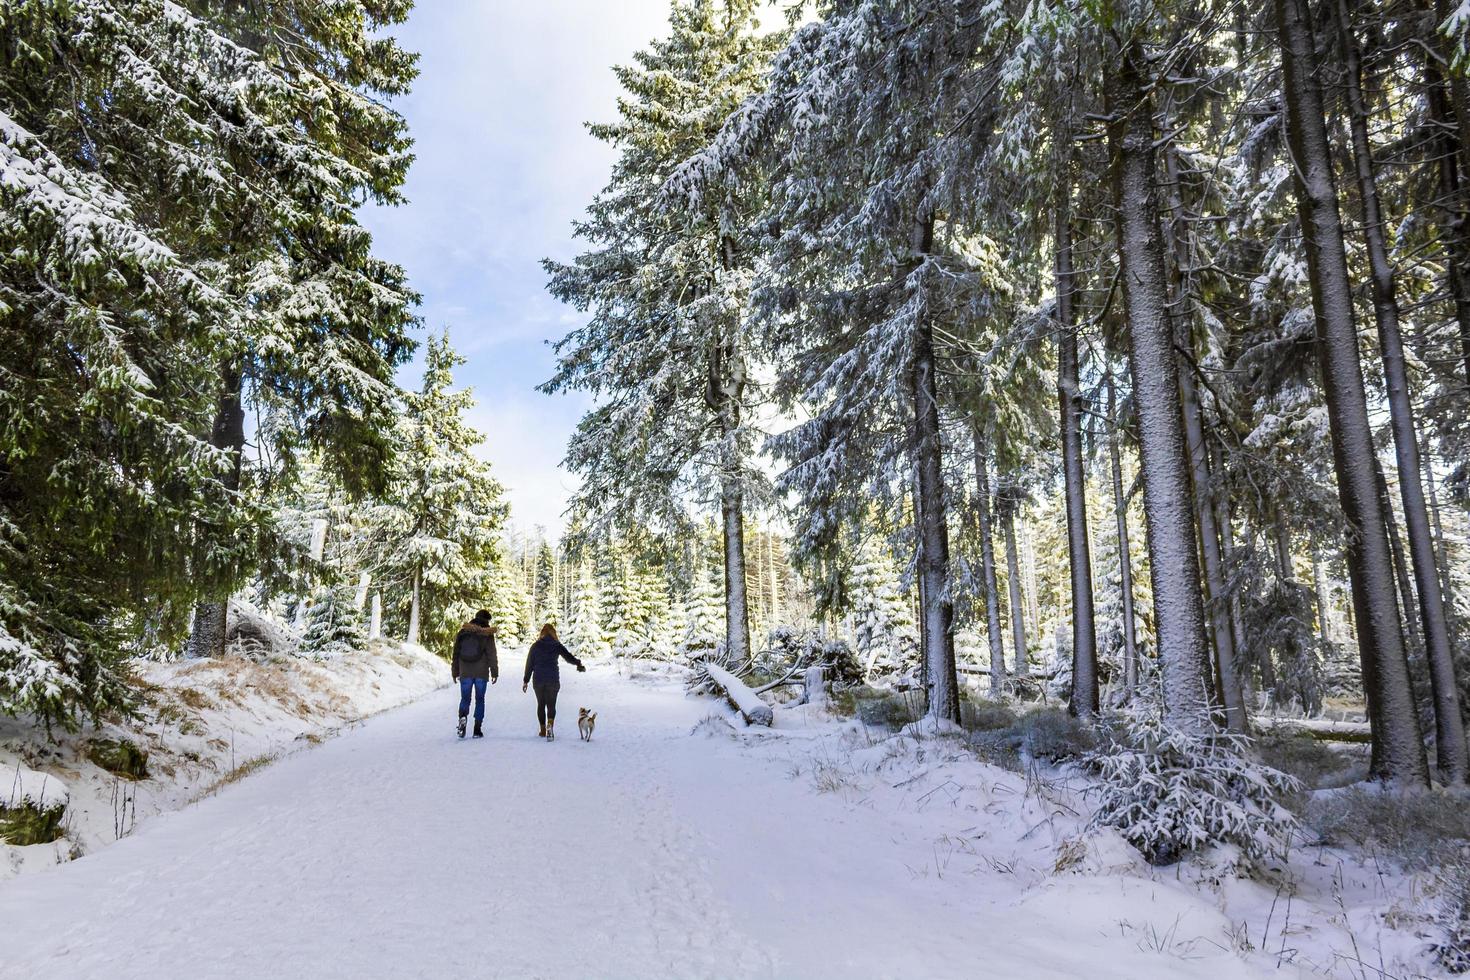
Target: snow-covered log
1319,728
747,702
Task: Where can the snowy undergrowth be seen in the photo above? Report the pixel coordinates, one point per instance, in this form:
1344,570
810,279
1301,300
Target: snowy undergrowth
1029,838
202,724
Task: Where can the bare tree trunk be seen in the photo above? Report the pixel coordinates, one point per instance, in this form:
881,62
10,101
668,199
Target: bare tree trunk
1125,558
414,607
936,621
725,393
1217,621
1319,587
1441,554
987,570
1013,583
1408,604
1227,556
778,611
1399,752
737,623
1448,101
207,636
1164,453
1453,755
1033,604
1084,702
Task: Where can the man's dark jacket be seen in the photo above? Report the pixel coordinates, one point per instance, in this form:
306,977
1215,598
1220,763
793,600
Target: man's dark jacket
474,653
541,662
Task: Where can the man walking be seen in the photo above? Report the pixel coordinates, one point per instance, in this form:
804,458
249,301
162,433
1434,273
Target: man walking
473,664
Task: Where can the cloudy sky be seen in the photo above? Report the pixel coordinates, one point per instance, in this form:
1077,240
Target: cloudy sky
504,166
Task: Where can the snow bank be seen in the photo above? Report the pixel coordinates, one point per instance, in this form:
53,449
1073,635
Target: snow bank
203,723
957,839
20,786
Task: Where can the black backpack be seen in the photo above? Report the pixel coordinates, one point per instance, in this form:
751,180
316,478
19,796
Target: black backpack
471,653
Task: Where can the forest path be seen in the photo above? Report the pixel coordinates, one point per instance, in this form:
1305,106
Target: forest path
396,850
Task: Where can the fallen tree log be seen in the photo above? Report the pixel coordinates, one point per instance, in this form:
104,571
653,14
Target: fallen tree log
1318,728
747,702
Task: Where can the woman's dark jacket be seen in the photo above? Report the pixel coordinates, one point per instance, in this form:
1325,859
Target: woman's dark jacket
541,662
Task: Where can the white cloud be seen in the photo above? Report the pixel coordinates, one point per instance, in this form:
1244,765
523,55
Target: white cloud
504,165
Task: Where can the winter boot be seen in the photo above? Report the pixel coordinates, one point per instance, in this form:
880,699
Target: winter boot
550,726
542,732
461,725
478,733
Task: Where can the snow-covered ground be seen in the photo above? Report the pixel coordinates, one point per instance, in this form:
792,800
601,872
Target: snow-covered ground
677,844
203,724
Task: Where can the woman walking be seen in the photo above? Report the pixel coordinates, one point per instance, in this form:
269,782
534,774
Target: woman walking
544,674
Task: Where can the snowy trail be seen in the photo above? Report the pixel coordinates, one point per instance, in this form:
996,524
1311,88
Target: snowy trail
398,851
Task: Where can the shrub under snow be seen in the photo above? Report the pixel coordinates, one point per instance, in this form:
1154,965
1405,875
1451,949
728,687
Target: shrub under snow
1169,792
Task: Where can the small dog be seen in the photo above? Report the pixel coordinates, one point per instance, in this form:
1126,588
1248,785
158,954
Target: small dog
585,722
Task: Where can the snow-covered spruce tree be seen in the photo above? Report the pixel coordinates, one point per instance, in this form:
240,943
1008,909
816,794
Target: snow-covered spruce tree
335,626
326,321
1154,367
507,602
543,585
1398,752
884,637
860,132
1453,755
583,633
666,351
702,615
449,510
999,390
157,176
1171,791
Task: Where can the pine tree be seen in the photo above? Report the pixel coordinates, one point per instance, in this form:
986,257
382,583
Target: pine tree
450,506
885,640
666,350
334,625
583,634
702,614
177,226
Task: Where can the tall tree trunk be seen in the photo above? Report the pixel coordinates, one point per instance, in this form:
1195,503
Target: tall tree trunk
207,636
936,621
1084,702
414,607
1125,557
776,614
737,622
1033,604
1453,755
1399,752
987,570
1232,601
1448,101
1218,621
1168,498
1441,554
1408,604
1324,607
1013,584
725,396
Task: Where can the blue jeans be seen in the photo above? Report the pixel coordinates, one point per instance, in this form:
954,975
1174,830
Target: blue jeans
466,685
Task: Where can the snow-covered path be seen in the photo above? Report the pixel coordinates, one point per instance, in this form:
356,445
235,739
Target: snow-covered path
398,851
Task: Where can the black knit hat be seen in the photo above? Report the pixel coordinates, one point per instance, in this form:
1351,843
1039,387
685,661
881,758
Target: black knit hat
482,618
